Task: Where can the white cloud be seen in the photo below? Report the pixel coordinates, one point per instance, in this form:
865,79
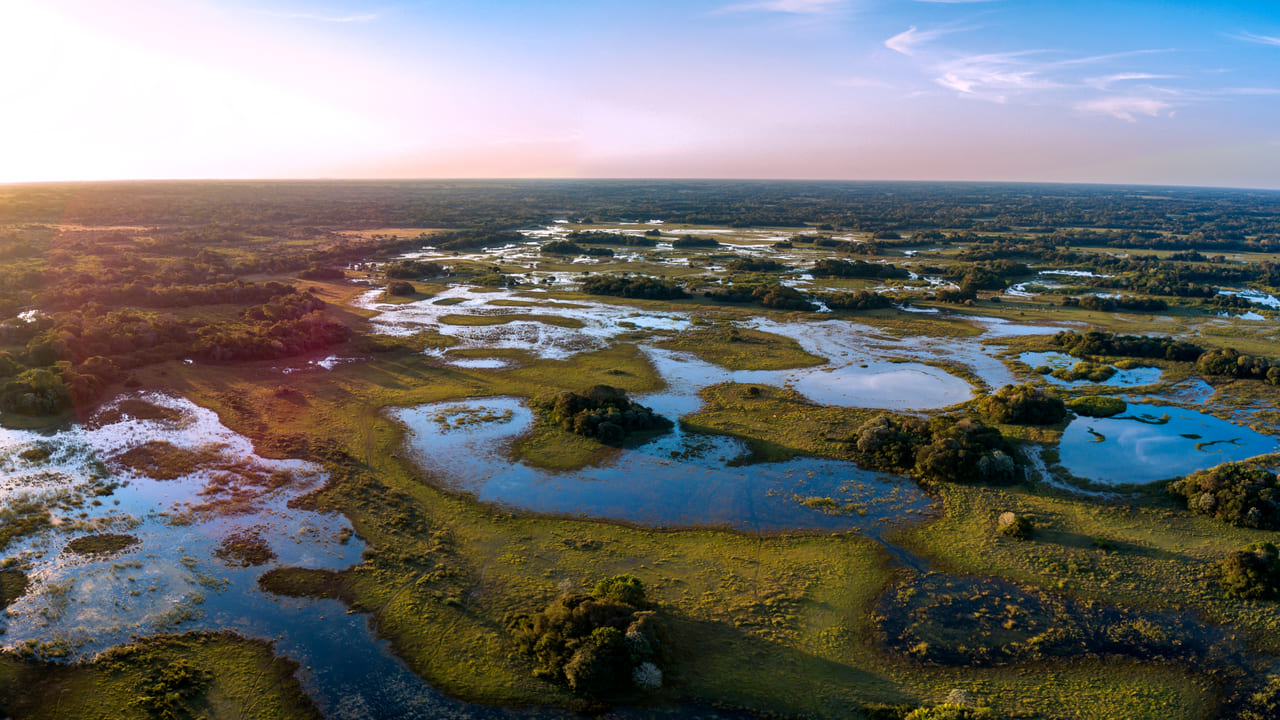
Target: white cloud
905,42
1125,108
1259,39
794,7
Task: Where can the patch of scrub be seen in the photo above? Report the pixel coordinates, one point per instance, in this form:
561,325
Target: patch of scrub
1132,377
1152,442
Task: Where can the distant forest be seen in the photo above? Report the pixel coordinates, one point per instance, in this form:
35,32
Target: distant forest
1126,216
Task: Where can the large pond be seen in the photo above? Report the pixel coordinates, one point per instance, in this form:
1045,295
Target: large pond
1153,442
678,479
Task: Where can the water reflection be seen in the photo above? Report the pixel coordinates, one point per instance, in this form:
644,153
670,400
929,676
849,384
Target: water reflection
1154,442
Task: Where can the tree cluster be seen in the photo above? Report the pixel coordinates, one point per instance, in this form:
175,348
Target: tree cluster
1235,493
1228,362
1095,342
1024,405
602,644
941,449
857,269
603,412
633,287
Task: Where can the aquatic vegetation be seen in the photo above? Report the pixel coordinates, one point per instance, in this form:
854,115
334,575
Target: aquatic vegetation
1097,406
104,544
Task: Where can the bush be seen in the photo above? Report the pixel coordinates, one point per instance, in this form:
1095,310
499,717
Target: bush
1083,370
1235,493
1252,573
1024,405
400,288
1015,526
621,588
1097,406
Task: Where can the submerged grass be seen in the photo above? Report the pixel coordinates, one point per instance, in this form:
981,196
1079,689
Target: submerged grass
214,676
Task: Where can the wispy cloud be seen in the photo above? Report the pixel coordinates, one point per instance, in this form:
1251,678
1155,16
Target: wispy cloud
993,75
906,41
316,17
1259,39
794,7
1106,81
1125,108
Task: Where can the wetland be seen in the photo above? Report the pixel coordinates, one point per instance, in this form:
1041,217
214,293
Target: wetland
348,500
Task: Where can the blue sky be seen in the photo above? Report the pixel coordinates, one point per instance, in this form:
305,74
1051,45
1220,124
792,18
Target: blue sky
1145,92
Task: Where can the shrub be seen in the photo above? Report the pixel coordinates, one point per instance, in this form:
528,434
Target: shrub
1015,526
1097,406
625,588
1235,493
1024,405
1252,573
1083,370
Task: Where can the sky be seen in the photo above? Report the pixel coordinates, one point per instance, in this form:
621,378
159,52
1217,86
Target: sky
1109,91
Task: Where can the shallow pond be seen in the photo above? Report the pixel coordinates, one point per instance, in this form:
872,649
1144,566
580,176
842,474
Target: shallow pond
678,479
1155,442
1134,377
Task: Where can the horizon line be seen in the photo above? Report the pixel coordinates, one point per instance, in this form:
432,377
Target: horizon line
548,179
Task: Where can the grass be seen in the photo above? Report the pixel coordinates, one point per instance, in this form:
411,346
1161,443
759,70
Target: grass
13,585
742,349
104,544
245,681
